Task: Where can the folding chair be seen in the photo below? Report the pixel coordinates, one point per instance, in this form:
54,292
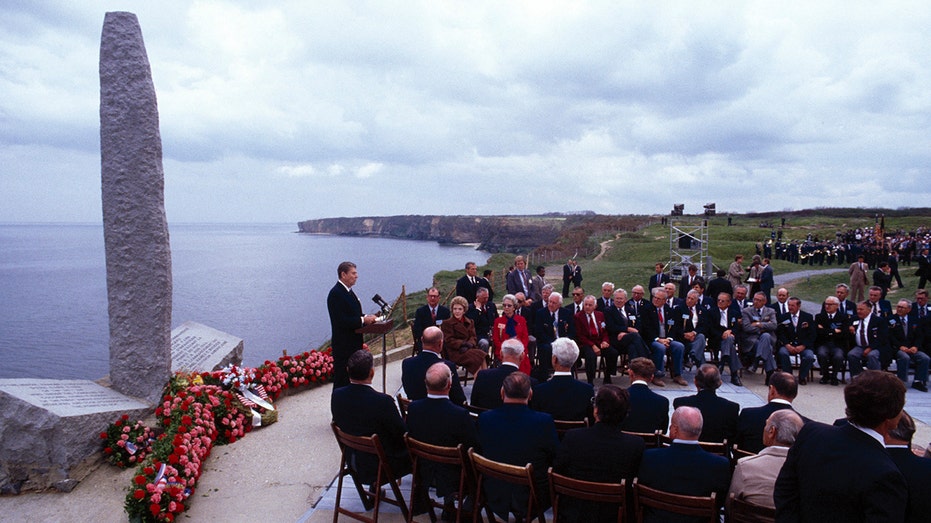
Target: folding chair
591,491
694,506
740,510
366,445
456,456
521,476
650,439
563,426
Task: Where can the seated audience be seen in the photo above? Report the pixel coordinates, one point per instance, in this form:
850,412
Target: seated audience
796,334
907,340
551,322
414,369
831,339
431,314
592,337
750,423
483,314
486,389
511,325
656,321
917,471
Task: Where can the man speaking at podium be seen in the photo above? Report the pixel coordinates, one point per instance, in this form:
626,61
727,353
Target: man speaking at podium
345,318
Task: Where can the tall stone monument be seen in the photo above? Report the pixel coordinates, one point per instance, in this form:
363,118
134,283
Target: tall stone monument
135,227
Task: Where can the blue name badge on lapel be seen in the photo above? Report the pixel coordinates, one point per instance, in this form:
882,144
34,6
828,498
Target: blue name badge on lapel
686,316
786,322
670,322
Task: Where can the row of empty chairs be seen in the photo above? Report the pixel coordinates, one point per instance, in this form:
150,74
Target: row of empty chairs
475,469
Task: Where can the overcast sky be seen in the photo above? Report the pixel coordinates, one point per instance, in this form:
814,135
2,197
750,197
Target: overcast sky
287,110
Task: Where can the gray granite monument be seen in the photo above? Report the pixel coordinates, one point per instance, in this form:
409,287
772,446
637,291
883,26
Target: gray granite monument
135,227
199,348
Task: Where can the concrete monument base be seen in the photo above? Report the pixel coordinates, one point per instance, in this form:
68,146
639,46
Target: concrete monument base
51,430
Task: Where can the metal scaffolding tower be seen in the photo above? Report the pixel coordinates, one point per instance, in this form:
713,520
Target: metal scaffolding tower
688,244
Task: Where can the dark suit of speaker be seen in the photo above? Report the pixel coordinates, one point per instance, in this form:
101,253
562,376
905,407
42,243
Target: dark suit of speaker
345,312
839,474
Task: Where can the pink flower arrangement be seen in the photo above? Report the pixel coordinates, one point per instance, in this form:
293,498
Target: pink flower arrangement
197,413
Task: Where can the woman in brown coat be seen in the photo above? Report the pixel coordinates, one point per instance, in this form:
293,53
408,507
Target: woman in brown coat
459,340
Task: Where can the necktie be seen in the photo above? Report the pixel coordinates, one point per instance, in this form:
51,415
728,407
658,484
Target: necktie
863,342
905,325
433,314
591,324
578,309
921,312
783,307
723,318
795,320
662,323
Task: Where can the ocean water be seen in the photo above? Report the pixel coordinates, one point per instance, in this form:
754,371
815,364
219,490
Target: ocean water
263,283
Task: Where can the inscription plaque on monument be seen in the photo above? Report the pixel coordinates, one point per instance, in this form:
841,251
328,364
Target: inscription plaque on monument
198,348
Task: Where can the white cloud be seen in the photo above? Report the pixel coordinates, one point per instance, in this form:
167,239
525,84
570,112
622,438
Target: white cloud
293,109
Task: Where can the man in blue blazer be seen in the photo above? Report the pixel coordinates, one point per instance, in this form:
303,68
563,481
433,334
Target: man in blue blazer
796,333
722,326
437,421
563,396
515,434
684,467
870,340
719,415
359,410
844,473
346,317
649,411
414,369
783,388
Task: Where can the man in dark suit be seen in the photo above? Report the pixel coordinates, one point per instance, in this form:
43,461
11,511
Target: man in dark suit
431,314
924,268
659,278
486,389
518,280
437,421
831,339
414,369
684,467
870,340
571,275
917,471
719,414
563,396
907,340
879,306
582,454
766,279
592,337
485,282
844,473
513,433
634,305
846,306
671,300
796,334
689,328
688,281
656,322
359,410
468,284
882,278
550,323
781,305
607,297
482,312
750,423
346,317
621,335
740,299
719,285
722,324
649,411
921,309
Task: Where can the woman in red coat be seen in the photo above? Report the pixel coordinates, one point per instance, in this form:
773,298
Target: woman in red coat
510,325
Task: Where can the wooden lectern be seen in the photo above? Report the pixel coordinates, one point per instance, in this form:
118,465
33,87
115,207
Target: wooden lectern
382,328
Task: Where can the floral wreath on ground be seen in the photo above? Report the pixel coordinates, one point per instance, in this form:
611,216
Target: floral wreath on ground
199,411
